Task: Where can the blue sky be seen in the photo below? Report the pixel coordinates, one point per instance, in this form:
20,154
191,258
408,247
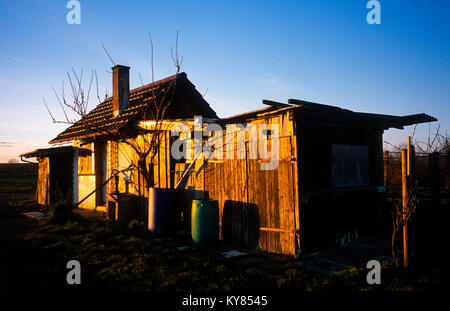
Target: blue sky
237,52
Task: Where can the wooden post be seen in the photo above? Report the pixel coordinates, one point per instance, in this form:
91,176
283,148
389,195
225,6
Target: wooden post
408,144
386,168
405,200
411,161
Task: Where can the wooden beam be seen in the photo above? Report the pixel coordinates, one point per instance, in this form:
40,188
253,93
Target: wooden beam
274,103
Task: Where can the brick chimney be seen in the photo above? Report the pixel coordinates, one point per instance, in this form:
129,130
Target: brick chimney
121,88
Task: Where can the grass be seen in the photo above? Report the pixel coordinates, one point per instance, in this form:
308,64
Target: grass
117,258
126,257
114,257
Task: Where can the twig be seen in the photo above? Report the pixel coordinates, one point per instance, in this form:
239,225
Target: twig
108,54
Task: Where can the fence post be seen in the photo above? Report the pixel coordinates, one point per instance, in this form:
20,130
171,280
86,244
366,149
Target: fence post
411,162
405,200
386,168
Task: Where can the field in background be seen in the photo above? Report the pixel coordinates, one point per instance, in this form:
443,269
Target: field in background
18,177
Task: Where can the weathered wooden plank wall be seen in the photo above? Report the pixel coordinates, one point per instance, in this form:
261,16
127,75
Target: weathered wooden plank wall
257,207
272,192
42,189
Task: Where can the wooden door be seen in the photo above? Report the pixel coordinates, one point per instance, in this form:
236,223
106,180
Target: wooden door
272,191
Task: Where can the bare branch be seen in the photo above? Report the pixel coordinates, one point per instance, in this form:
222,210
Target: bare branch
176,59
151,58
414,131
51,116
108,55
61,104
96,85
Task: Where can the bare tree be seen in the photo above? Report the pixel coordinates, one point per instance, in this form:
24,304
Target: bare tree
77,106
401,216
434,142
145,142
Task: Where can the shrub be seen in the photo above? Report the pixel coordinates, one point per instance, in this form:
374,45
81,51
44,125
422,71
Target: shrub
134,227
60,210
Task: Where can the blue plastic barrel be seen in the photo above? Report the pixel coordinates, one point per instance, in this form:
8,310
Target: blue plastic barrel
162,209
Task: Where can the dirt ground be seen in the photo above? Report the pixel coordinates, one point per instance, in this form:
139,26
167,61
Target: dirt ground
21,265
17,256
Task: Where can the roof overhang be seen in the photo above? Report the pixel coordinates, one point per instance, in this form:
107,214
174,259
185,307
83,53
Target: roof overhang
362,120
48,152
309,112
313,112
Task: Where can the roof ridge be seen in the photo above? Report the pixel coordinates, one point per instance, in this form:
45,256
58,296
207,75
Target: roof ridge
155,83
101,116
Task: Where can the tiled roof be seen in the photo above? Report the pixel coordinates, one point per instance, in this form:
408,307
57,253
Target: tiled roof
100,121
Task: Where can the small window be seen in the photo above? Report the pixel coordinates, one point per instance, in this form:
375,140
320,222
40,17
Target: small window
350,166
85,164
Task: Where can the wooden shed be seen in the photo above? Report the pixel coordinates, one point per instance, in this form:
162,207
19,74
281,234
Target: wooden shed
57,171
326,190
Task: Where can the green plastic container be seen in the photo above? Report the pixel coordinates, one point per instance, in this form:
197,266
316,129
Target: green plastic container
205,222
